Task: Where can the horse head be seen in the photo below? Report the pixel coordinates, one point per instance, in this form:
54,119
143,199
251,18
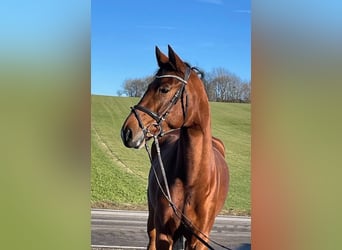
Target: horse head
165,104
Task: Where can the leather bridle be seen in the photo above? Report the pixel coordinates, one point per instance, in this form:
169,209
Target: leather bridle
159,118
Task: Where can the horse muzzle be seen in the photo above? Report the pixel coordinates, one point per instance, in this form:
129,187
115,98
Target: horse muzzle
132,140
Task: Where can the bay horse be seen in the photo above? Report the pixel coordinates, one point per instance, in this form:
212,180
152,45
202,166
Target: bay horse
189,177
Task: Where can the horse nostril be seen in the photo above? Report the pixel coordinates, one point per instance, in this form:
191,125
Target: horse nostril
127,134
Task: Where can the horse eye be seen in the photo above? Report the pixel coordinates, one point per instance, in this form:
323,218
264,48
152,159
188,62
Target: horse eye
164,90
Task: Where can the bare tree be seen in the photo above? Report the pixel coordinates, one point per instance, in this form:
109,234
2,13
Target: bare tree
246,92
220,84
120,92
136,87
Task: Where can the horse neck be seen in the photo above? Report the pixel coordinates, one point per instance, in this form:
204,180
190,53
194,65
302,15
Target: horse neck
196,145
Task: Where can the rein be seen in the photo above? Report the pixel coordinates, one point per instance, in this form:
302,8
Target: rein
159,119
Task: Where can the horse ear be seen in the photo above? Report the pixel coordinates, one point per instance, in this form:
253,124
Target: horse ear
175,60
161,58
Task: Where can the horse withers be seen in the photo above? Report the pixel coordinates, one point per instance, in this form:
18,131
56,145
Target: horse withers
189,177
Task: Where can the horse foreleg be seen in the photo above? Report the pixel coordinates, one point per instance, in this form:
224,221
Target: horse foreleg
195,244
151,231
204,222
164,242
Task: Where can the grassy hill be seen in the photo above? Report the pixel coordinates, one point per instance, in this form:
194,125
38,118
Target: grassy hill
119,174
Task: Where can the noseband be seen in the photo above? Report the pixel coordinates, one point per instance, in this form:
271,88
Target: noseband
159,118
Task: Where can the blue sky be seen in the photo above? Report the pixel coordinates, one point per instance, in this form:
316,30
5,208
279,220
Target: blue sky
206,33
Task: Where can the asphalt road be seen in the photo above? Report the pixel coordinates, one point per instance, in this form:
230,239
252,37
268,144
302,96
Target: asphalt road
114,229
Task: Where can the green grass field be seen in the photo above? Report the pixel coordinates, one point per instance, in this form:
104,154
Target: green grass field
119,174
